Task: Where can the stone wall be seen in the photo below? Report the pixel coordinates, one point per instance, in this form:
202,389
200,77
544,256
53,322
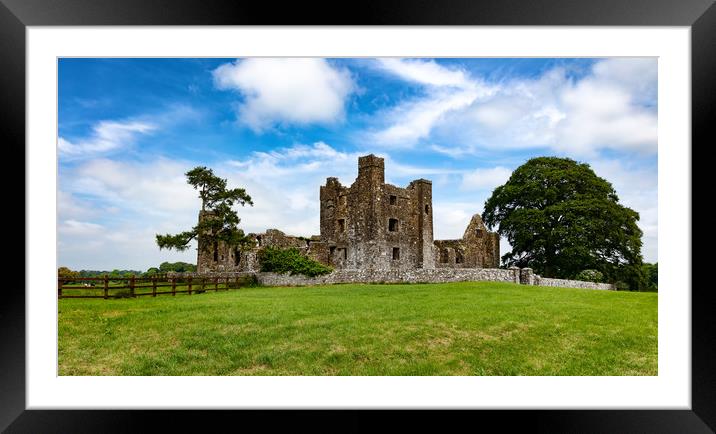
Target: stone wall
564,283
371,224
523,276
438,275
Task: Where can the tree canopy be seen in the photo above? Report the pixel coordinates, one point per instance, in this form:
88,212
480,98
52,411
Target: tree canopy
66,273
561,219
218,201
179,267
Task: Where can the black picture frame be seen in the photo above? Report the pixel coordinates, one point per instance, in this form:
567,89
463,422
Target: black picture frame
16,15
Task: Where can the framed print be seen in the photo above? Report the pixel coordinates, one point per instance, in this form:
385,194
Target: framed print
439,87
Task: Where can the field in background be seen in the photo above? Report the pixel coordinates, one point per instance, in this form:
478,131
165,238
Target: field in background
466,328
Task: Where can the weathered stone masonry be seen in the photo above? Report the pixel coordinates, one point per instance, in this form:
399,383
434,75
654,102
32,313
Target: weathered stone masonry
370,225
523,276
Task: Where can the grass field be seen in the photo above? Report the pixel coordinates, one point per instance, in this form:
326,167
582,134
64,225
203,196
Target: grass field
480,328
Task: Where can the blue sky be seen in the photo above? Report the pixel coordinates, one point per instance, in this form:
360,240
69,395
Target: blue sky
129,129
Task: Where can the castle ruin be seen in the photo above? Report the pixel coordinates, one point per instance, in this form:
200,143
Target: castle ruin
369,225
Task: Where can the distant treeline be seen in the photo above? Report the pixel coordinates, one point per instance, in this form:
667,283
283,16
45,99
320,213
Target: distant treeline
164,267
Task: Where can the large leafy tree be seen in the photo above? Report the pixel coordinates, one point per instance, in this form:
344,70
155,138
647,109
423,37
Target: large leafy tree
561,218
221,220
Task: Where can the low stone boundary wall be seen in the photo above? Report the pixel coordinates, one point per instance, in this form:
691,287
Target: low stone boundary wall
563,283
438,275
524,276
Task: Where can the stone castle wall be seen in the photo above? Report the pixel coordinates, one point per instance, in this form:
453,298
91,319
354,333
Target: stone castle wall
523,276
368,225
371,224
478,248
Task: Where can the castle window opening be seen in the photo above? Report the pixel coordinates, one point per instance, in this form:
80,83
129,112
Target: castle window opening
332,250
393,225
478,232
396,253
216,251
458,257
341,225
343,252
237,257
393,200
444,256
427,209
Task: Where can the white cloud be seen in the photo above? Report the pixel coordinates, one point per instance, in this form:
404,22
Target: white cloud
412,121
111,136
426,72
106,136
125,204
286,90
607,111
485,179
612,107
157,187
74,227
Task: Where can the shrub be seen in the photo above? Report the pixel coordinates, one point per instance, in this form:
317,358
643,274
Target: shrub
290,261
590,276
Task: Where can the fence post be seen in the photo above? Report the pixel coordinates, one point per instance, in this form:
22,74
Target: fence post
131,285
59,287
188,280
154,286
237,282
216,284
174,286
203,284
106,286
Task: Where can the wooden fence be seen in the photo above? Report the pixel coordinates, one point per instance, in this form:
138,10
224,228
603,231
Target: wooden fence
115,287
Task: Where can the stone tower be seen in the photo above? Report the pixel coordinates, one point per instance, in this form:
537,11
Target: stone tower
376,225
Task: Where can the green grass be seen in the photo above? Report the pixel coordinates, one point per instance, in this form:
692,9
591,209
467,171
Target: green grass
481,328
